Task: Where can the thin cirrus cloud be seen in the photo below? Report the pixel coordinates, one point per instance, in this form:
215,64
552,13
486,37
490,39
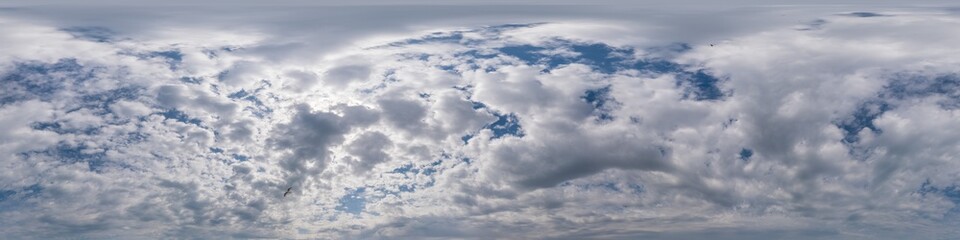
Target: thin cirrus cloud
654,121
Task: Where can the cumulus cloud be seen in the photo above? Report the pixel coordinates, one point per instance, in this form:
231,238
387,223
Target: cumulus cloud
306,141
369,149
830,123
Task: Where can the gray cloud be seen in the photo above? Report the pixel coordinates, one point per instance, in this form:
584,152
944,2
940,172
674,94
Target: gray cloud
306,140
600,122
403,114
343,75
369,149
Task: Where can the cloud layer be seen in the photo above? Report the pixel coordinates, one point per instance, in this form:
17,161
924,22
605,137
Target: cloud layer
835,126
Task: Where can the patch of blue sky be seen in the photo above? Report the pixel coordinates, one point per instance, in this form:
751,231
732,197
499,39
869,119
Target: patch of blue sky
407,188
529,54
91,33
506,124
608,186
113,95
863,118
429,171
5,194
173,58
32,190
353,202
258,112
476,54
63,65
240,157
602,57
636,188
40,80
432,168
656,66
669,49
471,58
478,105
94,158
602,102
951,193
95,161
172,55
700,86
10,98
13,198
902,87
101,101
48,126
745,154
136,137
402,188
180,116
464,88
415,56
448,68
406,168
258,109
466,138
238,94
864,14
697,85
59,129
230,48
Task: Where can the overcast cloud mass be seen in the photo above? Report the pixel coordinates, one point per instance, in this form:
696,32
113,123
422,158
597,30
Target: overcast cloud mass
474,120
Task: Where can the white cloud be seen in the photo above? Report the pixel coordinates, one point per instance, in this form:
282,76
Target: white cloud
834,131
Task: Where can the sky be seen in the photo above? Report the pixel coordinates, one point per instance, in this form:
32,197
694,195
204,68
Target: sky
479,120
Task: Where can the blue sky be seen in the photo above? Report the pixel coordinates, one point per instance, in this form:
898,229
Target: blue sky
476,120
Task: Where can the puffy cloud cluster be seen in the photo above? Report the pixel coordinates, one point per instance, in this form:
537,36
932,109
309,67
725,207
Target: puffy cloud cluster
835,128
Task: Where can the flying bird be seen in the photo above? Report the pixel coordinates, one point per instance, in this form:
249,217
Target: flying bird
288,192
